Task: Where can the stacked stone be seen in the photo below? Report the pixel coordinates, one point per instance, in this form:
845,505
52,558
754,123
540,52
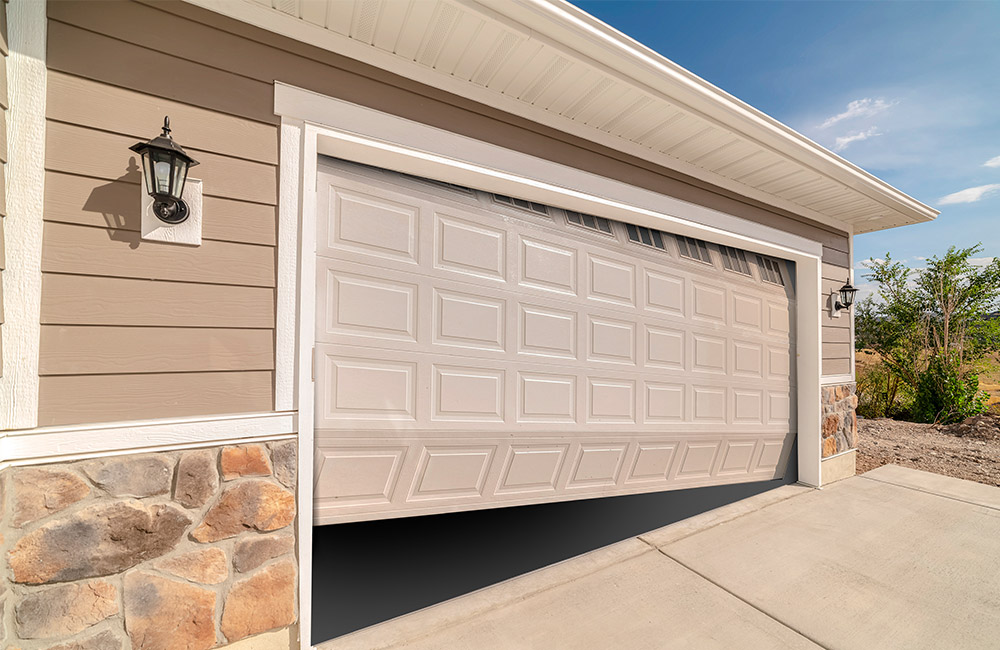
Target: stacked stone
151,551
840,421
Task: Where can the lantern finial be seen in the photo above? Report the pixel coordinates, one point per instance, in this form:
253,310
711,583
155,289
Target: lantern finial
166,126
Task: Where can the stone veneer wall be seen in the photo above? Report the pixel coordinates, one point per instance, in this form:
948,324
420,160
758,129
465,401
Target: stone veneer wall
189,549
840,421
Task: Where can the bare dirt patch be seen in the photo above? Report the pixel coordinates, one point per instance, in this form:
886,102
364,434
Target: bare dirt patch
970,450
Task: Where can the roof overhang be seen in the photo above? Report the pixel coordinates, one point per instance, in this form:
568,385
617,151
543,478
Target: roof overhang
550,62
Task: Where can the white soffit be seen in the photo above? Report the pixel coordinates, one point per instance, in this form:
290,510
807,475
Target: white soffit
549,62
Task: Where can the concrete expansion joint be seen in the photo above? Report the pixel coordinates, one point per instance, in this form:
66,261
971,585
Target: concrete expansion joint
936,494
743,600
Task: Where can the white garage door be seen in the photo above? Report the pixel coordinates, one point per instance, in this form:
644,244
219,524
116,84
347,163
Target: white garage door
478,351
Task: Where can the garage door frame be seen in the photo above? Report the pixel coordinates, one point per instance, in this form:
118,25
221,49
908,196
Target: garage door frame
314,125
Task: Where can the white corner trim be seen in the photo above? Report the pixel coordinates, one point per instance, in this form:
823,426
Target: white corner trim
48,444
371,137
25,180
287,272
297,198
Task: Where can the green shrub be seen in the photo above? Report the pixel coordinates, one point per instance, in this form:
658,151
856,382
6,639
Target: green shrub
947,392
934,330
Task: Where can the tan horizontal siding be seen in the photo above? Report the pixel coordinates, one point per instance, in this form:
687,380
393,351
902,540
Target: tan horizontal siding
833,285
3,128
835,272
71,350
86,54
836,334
4,50
110,252
92,300
108,108
836,350
116,205
79,150
835,257
104,398
836,366
4,100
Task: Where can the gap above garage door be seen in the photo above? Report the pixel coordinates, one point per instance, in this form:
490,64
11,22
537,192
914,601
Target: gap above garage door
475,350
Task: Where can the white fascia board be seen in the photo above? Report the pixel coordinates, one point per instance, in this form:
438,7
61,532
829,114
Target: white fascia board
371,137
567,24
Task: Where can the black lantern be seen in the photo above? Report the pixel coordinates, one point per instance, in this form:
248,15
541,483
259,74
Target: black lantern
165,165
846,296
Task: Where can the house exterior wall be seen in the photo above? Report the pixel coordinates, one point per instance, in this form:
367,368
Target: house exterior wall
135,330
219,94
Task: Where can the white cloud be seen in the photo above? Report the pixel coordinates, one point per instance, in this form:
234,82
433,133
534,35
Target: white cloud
992,162
970,195
981,261
845,141
858,108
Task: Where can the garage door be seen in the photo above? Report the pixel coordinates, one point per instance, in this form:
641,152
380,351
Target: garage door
476,350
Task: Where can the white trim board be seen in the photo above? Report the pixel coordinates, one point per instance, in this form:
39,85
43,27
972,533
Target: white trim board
25,180
365,135
323,125
49,444
836,380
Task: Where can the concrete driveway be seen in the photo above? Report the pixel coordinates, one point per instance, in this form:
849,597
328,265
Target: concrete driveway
895,558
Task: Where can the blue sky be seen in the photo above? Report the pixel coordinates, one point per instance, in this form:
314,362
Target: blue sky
909,91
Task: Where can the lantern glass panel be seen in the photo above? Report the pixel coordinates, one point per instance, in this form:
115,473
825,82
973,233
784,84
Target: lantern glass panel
180,176
161,171
147,170
847,295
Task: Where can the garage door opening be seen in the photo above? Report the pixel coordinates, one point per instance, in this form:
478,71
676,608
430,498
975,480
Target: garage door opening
476,350
368,572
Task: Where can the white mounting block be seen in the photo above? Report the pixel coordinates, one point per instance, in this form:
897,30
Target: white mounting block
186,232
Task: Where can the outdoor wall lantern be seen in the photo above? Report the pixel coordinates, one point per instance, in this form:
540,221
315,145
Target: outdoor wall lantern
165,167
843,299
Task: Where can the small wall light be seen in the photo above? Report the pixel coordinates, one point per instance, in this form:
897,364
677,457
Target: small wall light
165,166
843,299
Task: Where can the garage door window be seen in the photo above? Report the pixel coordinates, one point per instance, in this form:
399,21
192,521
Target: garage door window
531,206
770,271
694,249
589,221
733,259
645,236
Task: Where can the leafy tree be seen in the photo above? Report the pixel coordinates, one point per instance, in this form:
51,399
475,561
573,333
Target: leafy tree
933,329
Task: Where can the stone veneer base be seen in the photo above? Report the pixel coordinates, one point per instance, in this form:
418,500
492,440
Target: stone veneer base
192,549
840,421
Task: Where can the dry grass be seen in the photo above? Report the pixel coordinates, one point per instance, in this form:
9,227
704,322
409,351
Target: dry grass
989,381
